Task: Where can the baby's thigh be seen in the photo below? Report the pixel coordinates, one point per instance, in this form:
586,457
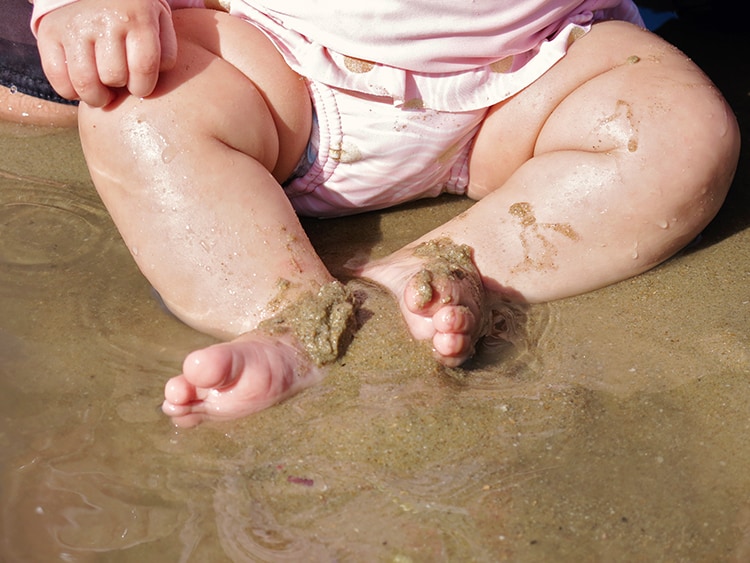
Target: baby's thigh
619,90
232,79
651,100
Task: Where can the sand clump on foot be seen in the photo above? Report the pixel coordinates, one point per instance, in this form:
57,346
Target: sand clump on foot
324,324
443,257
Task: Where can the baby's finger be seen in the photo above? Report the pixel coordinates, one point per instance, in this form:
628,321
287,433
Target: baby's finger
111,62
56,68
168,42
84,75
143,56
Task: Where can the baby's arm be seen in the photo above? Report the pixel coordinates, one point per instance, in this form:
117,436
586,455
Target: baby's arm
88,47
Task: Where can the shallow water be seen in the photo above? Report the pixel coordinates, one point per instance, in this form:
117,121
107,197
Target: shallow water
612,428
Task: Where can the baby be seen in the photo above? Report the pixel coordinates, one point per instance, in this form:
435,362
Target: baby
594,151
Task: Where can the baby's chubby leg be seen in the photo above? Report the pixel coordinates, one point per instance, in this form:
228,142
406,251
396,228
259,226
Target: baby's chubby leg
604,167
191,176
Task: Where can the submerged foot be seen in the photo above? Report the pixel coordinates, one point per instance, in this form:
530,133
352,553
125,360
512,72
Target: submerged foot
441,296
234,379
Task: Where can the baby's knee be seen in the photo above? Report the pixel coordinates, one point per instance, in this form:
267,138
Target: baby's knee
703,128
690,145
706,150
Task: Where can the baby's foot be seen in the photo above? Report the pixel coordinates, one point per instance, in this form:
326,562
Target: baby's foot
234,379
265,366
441,296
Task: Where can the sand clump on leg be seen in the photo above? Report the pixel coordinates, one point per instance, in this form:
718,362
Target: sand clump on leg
323,324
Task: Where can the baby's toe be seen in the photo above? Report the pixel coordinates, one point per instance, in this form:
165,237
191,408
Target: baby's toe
179,392
452,349
180,403
454,319
189,420
210,368
419,293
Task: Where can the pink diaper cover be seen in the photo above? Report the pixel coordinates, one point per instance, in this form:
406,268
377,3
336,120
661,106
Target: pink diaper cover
402,128
365,153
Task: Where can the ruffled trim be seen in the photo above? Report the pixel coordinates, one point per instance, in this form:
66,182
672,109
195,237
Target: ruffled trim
466,90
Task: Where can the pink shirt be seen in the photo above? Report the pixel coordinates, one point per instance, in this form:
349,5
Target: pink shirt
451,55
436,35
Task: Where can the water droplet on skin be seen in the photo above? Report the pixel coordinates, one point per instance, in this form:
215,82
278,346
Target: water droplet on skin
664,224
635,251
168,154
134,251
13,89
204,246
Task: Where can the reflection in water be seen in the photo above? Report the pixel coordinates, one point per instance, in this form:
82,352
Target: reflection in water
64,500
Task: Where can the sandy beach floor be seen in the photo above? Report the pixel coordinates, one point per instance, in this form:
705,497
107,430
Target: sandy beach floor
613,428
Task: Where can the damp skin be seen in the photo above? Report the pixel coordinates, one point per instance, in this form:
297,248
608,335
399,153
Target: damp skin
538,239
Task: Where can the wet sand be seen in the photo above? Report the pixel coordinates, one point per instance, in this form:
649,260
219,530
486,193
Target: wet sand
613,428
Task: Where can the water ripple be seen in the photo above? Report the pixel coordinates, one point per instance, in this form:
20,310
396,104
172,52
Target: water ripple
513,355
46,224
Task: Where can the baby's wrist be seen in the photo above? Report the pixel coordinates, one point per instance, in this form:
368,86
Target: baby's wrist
44,7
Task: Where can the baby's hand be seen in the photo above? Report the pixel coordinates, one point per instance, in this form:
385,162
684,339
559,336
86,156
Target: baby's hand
91,46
